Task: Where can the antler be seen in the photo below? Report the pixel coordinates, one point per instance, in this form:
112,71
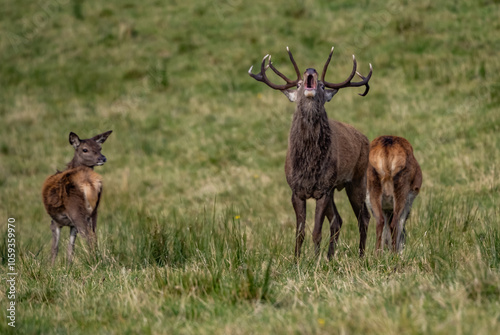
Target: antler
263,78
347,82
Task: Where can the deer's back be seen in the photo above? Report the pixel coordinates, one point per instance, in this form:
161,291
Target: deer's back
80,186
351,151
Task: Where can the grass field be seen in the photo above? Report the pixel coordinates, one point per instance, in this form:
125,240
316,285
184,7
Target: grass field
196,229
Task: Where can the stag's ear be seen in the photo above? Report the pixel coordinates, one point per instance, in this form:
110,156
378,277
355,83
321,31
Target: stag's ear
74,140
329,94
290,94
102,137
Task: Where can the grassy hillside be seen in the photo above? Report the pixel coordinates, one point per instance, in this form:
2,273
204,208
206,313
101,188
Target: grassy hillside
196,227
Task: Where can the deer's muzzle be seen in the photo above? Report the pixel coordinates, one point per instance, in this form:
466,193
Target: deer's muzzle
101,160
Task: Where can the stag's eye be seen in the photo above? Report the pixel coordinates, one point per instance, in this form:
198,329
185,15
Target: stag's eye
85,150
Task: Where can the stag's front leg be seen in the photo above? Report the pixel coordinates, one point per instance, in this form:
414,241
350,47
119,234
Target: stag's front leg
335,224
299,205
322,205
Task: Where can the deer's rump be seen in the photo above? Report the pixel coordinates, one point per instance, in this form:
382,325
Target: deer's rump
81,185
389,155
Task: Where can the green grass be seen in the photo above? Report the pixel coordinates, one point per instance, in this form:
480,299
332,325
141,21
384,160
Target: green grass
195,226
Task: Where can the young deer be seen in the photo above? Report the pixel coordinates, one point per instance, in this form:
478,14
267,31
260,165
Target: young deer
71,197
323,155
394,180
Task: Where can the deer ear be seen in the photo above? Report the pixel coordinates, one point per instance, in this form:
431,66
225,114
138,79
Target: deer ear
290,94
74,140
102,137
329,94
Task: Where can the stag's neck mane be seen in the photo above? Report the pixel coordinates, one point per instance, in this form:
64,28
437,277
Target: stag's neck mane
310,136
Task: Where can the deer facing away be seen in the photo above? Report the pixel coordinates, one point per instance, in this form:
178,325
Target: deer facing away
71,197
323,155
394,180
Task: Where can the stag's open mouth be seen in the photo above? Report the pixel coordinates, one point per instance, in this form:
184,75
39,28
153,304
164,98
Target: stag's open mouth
310,83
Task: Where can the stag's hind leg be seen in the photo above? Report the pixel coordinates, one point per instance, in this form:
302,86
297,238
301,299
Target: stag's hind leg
356,192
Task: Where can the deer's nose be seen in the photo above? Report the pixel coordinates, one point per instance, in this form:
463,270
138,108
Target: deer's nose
310,71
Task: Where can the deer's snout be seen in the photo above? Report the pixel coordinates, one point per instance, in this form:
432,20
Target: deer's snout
101,160
310,83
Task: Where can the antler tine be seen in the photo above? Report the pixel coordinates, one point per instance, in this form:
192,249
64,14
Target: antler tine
282,76
294,64
364,81
348,80
263,78
326,65
263,68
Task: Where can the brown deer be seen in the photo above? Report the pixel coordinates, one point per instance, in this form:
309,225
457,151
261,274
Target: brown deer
71,197
394,180
323,155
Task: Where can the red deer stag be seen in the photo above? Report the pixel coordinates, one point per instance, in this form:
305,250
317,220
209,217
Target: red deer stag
323,155
394,180
71,197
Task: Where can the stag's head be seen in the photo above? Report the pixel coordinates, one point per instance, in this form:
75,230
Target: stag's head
309,86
